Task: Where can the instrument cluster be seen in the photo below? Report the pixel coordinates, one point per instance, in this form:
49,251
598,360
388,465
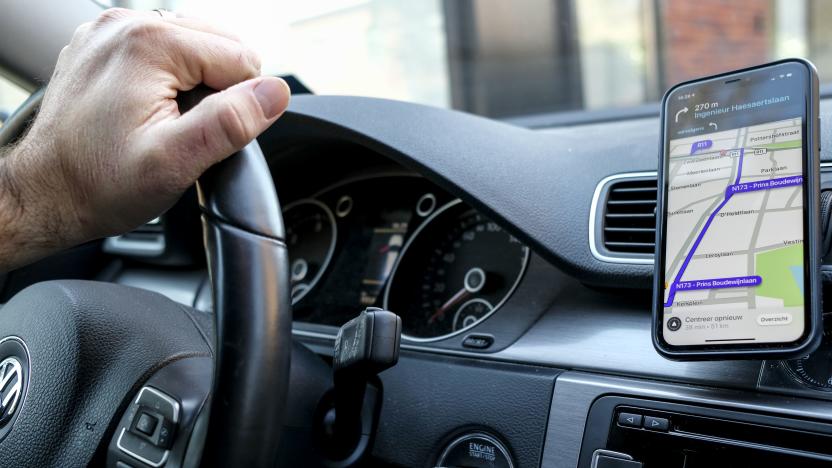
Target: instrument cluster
399,242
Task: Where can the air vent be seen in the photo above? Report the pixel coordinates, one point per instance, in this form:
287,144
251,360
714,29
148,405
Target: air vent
148,240
624,218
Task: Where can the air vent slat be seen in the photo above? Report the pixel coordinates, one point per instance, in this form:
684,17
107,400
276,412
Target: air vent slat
629,229
634,190
631,202
632,244
628,217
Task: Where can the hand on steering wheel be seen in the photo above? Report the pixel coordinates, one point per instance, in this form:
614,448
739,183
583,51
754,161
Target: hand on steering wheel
109,150
109,131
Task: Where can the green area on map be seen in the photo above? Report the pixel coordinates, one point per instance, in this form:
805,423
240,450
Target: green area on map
791,144
775,267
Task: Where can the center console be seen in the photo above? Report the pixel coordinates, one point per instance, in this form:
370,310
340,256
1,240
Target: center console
611,422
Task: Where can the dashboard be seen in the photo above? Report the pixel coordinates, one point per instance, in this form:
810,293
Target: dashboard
524,320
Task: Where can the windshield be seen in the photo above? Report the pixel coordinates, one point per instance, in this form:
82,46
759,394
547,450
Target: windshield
503,58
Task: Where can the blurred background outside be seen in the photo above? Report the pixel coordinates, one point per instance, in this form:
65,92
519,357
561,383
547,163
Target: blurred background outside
502,58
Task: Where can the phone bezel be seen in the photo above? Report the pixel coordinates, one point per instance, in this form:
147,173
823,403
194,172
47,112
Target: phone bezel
811,171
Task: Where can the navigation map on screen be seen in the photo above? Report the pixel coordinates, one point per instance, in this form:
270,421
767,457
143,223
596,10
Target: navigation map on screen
734,236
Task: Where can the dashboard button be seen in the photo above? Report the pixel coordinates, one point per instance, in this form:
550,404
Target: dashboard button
478,341
476,450
656,424
629,419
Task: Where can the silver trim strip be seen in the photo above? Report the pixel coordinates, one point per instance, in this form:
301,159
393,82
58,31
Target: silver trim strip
593,211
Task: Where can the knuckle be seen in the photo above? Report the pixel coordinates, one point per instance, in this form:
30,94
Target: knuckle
82,30
140,29
111,15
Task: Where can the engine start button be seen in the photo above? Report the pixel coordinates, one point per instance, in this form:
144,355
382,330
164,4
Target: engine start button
476,450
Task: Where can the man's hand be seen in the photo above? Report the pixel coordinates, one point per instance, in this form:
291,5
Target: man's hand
110,149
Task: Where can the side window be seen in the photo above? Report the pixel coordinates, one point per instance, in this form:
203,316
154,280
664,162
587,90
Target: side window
11,96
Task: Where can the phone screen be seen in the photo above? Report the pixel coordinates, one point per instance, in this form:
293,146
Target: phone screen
735,226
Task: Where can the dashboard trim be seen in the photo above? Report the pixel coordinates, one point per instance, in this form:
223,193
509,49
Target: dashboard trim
593,213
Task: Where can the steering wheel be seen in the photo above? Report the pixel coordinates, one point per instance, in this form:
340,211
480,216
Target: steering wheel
97,373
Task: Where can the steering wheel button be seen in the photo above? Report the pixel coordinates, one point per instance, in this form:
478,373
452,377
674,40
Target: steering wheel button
157,400
478,341
165,438
146,424
141,449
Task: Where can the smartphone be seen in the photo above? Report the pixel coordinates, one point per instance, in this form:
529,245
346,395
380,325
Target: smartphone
737,234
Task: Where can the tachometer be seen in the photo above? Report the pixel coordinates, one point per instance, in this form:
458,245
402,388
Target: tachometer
455,271
310,237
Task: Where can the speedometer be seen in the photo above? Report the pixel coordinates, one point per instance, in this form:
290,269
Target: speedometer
455,271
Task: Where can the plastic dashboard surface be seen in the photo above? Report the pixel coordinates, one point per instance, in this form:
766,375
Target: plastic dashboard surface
540,183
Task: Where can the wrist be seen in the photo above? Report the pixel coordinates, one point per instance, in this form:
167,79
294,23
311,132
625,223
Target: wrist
37,216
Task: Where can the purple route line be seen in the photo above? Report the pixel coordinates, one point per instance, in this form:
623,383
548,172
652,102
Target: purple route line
672,294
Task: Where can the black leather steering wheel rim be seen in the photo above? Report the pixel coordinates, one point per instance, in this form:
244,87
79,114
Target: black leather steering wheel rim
249,272
249,267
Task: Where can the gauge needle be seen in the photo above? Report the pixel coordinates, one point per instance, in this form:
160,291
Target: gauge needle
454,300
473,283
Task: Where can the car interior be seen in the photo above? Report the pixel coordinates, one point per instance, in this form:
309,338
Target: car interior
488,279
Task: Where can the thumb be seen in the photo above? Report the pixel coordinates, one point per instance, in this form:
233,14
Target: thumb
225,122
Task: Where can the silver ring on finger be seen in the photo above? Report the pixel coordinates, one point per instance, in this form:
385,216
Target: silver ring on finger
165,13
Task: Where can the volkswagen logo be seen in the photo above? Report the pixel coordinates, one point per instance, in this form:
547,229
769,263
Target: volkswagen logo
11,388
14,381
